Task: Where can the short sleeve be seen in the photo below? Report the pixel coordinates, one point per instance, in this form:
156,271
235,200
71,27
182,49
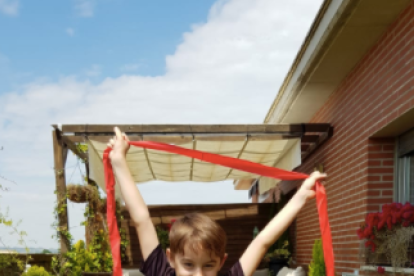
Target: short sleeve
235,270
157,264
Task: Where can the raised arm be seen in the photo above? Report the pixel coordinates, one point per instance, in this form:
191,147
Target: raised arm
255,252
135,204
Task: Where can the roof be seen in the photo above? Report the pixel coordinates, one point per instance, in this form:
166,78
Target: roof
342,33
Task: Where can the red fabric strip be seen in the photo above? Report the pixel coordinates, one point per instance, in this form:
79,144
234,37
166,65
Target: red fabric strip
225,161
114,238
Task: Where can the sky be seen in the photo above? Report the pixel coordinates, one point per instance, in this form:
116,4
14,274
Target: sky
132,62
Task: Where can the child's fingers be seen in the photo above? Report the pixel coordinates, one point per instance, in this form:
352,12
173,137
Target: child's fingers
118,133
317,175
125,137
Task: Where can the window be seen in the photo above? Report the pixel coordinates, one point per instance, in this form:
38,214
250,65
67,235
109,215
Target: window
404,188
405,179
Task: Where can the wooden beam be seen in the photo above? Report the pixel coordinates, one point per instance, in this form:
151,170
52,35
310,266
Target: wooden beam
182,139
304,147
100,138
313,147
59,168
71,145
309,139
193,129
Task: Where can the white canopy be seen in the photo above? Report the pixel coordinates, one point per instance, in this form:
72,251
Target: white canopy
148,165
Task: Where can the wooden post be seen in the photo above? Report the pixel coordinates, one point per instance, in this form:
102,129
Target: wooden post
60,154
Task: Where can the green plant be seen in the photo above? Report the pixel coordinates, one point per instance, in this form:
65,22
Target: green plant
317,266
62,233
100,245
96,258
163,237
36,271
281,248
279,253
122,233
12,262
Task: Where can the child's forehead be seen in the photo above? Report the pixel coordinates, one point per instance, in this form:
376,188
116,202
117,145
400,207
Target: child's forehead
197,251
202,257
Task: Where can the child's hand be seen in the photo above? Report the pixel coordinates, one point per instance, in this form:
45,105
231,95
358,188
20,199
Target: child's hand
307,188
119,145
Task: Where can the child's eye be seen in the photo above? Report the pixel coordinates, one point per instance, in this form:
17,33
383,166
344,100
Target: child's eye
188,264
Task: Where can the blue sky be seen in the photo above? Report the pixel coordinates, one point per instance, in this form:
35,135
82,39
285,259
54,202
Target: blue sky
132,62
102,38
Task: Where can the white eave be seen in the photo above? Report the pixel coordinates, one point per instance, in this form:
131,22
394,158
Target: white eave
342,33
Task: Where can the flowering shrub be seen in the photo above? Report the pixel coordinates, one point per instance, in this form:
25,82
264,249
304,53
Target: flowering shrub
389,232
392,215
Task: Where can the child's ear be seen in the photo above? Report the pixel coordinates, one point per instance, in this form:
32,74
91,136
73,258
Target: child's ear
170,258
223,260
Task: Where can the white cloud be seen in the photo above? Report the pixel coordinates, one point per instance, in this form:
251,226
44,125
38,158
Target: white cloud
227,70
9,7
130,67
85,8
70,31
93,71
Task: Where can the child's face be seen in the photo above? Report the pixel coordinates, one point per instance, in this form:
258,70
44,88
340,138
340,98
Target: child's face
191,264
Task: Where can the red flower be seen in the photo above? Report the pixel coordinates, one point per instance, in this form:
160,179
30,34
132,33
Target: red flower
394,214
407,215
381,224
389,223
381,270
370,244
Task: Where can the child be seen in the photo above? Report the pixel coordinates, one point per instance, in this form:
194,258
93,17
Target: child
197,243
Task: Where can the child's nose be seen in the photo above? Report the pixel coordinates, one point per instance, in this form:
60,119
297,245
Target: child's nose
199,272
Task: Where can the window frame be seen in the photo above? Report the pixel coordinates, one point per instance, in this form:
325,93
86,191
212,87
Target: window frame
403,176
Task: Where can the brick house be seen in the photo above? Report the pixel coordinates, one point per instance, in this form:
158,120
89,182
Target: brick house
355,71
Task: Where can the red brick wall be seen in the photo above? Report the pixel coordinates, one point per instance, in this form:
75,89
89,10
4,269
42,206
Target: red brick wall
360,169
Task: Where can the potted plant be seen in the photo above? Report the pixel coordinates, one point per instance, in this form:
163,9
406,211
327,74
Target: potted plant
278,258
388,235
278,255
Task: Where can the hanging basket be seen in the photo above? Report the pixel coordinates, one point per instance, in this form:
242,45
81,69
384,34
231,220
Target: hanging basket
83,194
102,206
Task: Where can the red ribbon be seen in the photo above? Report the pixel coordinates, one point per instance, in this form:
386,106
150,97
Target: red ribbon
225,161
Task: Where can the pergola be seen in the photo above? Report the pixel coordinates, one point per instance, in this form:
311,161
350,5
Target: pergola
261,143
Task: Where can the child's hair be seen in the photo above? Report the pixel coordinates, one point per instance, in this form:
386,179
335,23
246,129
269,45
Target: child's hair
197,232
